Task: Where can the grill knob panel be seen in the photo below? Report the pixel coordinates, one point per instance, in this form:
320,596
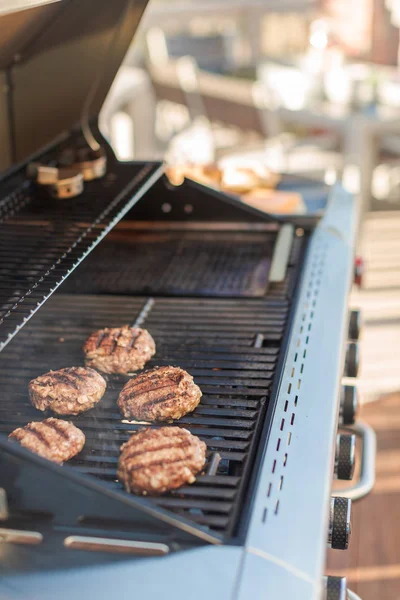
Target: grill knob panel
339,527
345,456
348,405
352,360
355,325
336,588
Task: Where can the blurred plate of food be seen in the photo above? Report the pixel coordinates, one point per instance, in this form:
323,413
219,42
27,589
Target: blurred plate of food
255,184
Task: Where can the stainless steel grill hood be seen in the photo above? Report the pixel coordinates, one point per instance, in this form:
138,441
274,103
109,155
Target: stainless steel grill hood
43,91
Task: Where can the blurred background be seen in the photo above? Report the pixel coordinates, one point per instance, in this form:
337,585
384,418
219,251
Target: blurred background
304,87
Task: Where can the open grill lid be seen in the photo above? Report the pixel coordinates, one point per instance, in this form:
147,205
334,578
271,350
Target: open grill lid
57,61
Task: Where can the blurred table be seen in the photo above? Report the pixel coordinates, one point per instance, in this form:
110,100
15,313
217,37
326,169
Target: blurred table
360,131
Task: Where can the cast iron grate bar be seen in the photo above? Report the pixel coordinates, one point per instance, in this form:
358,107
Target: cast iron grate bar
234,375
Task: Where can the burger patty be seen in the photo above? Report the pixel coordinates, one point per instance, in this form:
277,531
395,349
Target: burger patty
161,394
154,461
53,439
67,391
119,350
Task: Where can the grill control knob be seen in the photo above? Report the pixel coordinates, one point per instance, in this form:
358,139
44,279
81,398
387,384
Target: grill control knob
345,456
339,525
336,588
348,405
352,360
355,324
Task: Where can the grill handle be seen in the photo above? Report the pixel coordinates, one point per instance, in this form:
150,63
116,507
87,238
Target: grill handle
366,479
352,596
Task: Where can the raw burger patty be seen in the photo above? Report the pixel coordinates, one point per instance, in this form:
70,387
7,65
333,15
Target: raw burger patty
154,461
53,439
67,391
161,394
119,350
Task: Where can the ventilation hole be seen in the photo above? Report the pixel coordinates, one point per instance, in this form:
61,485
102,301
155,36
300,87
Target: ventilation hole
284,462
286,405
269,490
280,483
289,438
307,340
312,314
276,507
298,384
282,424
296,399
295,358
301,329
274,466
264,516
304,317
278,444
292,419
305,353
314,303
289,388
292,375
301,368
298,343
309,327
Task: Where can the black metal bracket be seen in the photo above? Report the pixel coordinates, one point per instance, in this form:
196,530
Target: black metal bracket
34,484
194,201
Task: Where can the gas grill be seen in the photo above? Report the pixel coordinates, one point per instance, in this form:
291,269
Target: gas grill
253,306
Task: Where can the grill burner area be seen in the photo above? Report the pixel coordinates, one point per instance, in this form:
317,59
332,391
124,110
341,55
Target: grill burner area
179,263
231,348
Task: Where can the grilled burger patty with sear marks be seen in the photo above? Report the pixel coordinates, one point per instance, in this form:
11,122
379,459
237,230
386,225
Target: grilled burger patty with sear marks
67,391
154,461
161,394
52,438
119,349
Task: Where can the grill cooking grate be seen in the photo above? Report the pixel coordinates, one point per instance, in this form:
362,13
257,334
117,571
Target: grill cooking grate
179,263
42,240
231,348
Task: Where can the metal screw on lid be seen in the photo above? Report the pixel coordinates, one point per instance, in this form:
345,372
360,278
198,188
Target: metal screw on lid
339,526
348,405
345,456
336,588
352,360
355,324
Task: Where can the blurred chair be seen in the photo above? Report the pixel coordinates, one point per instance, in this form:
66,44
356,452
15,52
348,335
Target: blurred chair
212,52
127,116
220,107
